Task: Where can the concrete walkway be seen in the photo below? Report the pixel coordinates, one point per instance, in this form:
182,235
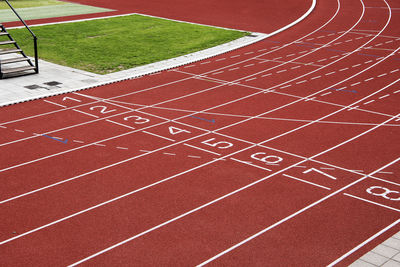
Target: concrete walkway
55,79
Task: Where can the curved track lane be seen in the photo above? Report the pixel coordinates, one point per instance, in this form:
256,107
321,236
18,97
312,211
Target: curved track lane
278,152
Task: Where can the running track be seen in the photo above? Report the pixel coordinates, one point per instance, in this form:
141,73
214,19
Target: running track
285,152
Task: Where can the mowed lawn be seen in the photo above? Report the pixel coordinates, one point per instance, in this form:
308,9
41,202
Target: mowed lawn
29,3
107,45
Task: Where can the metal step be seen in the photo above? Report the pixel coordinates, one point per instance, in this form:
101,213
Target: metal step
9,51
7,42
14,60
3,33
16,70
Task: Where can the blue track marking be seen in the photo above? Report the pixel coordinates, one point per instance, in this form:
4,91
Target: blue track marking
64,142
212,121
343,90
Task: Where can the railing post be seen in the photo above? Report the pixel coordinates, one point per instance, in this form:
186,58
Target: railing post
36,54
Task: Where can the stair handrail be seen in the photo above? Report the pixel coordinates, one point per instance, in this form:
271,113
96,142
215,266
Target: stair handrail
31,32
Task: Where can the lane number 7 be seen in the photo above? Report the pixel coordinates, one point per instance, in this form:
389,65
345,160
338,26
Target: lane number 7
320,172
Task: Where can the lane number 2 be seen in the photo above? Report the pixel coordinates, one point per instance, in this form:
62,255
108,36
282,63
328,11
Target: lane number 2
103,109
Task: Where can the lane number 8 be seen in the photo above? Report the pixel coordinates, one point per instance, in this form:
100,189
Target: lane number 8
384,192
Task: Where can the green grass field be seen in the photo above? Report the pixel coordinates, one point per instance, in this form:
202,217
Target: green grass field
30,3
114,44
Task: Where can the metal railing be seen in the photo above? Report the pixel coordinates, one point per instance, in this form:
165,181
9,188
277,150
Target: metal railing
35,46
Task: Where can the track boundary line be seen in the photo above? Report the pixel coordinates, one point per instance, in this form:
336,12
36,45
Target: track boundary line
174,62
364,243
291,216
221,198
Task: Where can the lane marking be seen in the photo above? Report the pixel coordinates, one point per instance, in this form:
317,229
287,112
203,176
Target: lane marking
56,139
163,137
50,102
195,117
305,181
202,149
372,202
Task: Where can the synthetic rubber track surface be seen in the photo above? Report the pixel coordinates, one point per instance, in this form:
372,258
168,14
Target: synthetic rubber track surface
285,152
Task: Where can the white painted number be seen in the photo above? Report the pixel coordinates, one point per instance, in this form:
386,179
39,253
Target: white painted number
320,172
103,109
73,99
270,159
138,120
384,192
174,130
220,144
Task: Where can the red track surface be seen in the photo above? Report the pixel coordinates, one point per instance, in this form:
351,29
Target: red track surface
285,152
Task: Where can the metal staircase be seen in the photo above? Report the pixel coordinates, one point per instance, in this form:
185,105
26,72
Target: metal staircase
13,61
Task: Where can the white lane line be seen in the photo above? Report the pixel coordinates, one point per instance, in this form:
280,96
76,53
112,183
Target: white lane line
290,217
301,82
386,172
88,114
78,141
364,243
281,71
20,131
384,96
384,74
350,109
157,85
251,164
372,202
169,154
50,102
234,69
295,67
316,77
285,86
163,137
326,93
202,149
96,144
195,157
235,56
305,181
219,72
369,79
369,102
120,124
251,79
207,62
265,75
330,73
393,71
354,84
